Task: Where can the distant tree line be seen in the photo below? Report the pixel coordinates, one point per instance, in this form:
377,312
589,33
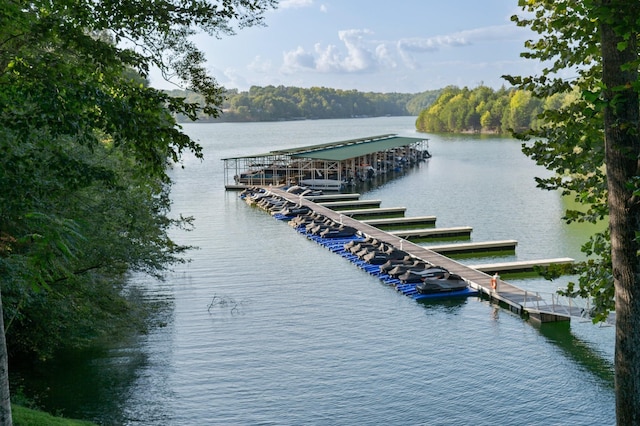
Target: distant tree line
484,109
274,103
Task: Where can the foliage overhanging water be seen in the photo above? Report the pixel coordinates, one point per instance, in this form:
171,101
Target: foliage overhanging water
269,328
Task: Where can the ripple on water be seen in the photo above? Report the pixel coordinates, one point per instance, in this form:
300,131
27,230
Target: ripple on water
270,328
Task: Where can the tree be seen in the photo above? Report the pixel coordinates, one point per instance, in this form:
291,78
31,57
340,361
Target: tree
85,143
461,110
523,108
593,143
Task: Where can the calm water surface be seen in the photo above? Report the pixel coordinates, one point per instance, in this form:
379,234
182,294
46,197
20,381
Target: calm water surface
267,328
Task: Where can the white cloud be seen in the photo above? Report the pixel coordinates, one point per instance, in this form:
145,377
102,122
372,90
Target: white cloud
407,47
462,38
297,59
430,44
260,65
231,78
385,57
326,59
505,32
357,55
294,4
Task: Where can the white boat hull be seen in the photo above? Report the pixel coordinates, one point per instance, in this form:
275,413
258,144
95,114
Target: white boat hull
325,184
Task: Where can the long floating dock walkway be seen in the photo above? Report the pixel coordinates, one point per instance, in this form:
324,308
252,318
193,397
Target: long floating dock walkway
516,299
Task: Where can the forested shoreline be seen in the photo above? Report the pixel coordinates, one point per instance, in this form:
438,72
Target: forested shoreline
485,110
280,103
448,110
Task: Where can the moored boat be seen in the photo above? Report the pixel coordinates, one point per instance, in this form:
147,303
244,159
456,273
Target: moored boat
445,283
323,184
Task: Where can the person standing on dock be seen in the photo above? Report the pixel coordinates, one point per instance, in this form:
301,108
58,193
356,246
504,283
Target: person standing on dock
495,282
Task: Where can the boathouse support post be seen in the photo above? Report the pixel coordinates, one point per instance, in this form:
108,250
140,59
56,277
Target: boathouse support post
570,302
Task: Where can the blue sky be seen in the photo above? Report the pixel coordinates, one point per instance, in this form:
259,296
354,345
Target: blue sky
406,46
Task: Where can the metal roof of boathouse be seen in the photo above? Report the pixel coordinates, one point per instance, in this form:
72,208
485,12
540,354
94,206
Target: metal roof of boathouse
343,150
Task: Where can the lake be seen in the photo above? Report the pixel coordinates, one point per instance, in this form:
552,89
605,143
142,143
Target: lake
264,327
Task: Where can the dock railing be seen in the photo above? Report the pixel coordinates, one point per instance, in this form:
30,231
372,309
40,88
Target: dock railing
576,307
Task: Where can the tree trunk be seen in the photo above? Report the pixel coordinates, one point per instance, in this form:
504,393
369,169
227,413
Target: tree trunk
5,397
622,149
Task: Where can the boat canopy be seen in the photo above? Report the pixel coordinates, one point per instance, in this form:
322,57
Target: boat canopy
341,162
356,148
342,150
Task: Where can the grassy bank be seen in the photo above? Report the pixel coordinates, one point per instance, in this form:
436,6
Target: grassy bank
27,417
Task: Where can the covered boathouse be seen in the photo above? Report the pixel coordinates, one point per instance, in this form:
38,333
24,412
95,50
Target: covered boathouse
331,166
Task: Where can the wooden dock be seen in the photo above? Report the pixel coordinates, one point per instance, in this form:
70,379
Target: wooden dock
430,233
333,197
521,266
515,299
401,222
479,247
362,213
232,187
352,204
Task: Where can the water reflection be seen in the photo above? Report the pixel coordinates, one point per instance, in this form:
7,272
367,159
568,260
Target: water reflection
90,385
579,351
270,329
97,384
450,306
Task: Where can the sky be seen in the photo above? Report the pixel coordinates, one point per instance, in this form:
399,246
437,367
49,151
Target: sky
405,46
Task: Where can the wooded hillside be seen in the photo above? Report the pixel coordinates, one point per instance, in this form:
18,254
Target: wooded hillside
484,109
273,103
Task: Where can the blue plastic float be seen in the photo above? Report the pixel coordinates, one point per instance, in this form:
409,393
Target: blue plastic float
337,245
